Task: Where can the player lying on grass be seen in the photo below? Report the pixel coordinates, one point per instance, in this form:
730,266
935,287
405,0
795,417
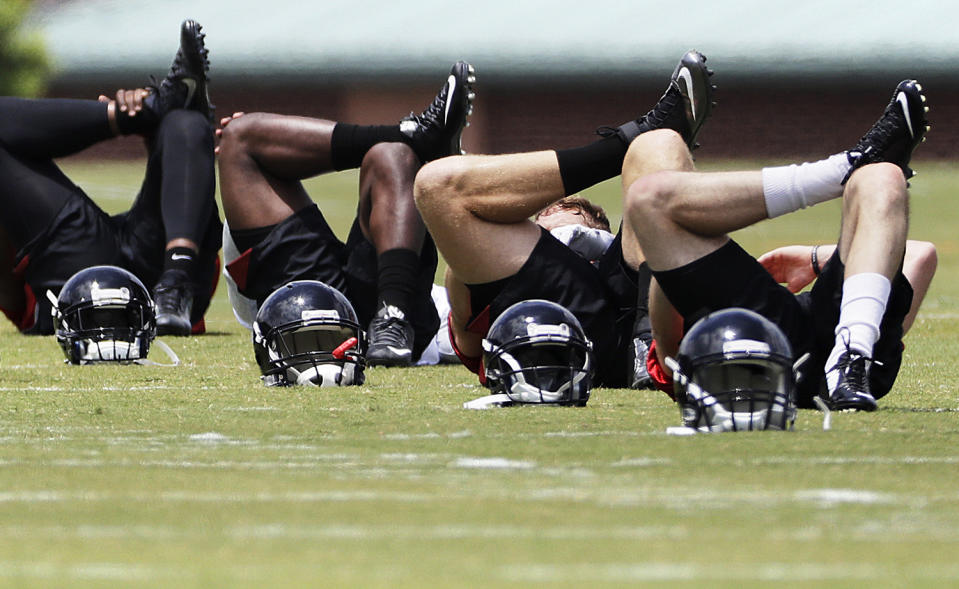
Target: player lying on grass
170,236
479,208
867,289
387,265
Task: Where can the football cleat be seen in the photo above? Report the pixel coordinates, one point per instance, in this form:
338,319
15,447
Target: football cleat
897,133
186,84
391,338
851,391
640,377
684,107
173,296
437,131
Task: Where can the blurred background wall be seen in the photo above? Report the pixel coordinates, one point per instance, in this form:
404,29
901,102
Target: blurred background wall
796,79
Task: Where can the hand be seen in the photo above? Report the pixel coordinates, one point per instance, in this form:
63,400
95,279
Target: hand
128,101
790,265
223,123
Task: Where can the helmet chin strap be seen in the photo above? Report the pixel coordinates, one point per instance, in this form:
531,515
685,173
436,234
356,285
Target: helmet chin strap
174,359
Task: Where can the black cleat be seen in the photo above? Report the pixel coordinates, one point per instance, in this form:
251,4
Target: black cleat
173,297
851,392
684,107
437,131
186,84
391,338
897,133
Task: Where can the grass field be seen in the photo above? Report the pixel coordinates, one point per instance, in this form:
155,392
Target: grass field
197,476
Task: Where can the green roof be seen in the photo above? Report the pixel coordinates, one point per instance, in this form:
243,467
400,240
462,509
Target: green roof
530,39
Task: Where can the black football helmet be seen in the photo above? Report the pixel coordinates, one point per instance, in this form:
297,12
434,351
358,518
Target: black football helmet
536,352
734,372
104,314
307,333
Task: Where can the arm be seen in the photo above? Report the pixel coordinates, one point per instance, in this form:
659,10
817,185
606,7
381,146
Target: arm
792,265
919,266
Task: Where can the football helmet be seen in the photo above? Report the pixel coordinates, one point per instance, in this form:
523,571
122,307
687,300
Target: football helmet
734,372
104,314
306,332
536,352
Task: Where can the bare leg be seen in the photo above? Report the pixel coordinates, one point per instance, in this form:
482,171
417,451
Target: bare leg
263,157
470,203
678,215
387,213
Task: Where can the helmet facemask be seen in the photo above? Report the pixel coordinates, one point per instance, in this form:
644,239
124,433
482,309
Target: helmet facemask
737,395
110,325
315,352
541,369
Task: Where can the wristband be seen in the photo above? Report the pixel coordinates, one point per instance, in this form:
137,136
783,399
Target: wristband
815,260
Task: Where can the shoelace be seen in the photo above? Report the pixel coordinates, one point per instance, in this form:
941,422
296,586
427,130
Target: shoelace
855,372
391,332
170,297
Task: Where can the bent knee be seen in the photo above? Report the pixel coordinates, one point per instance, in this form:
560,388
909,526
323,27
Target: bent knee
390,156
240,132
649,195
186,126
883,184
439,182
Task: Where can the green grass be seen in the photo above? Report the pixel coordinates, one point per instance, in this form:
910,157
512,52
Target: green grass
198,476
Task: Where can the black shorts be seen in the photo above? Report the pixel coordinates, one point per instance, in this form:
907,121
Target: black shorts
303,247
730,277
82,235
602,296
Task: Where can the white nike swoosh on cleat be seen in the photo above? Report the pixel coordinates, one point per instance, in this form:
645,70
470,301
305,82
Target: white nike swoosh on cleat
449,97
687,77
190,84
903,101
400,351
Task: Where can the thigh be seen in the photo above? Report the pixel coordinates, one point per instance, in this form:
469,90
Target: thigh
80,236
730,277
34,191
301,247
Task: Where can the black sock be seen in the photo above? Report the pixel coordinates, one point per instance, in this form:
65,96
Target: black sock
582,167
398,271
349,143
180,258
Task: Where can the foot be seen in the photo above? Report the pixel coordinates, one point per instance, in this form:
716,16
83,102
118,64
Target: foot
897,133
684,107
186,84
173,297
437,131
851,389
391,338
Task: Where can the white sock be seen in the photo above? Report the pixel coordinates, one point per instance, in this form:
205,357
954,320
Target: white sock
790,188
864,298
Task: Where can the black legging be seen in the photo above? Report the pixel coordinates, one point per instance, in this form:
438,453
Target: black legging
178,185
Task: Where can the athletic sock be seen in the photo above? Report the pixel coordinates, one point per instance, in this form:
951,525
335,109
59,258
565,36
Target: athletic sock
864,298
398,270
180,258
790,188
582,167
349,143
